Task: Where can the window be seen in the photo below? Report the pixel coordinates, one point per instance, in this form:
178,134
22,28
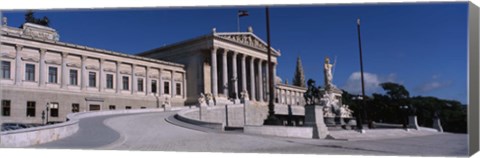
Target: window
5,69
128,107
30,72
92,79
30,109
52,74
94,107
54,109
140,84
179,89
111,107
125,82
154,86
75,108
73,77
166,87
5,107
143,107
109,81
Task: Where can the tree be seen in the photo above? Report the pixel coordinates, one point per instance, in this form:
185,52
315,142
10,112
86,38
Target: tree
299,77
395,91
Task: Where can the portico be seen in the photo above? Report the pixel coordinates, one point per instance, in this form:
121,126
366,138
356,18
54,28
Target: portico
223,64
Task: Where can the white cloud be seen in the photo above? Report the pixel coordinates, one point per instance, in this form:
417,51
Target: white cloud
432,86
372,81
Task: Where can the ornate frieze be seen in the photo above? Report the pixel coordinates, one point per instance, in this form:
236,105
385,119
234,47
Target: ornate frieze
91,67
74,65
38,31
7,56
246,39
30,59
109,70
53,62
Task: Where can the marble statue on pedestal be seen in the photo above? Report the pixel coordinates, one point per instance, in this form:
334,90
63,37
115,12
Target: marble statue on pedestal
201,100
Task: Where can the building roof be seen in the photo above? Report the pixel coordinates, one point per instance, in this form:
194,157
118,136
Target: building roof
246,39
22,33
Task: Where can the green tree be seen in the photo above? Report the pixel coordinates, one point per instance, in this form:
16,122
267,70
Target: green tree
299,76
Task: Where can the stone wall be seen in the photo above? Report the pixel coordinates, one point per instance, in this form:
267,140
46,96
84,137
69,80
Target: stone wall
44,134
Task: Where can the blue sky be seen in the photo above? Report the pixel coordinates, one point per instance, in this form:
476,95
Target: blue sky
422,46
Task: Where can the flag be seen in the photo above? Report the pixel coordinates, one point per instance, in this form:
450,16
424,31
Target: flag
242,13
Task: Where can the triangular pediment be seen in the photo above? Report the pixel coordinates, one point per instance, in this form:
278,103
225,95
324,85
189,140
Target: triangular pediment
248,39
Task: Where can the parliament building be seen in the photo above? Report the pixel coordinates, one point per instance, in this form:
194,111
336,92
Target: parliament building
40,75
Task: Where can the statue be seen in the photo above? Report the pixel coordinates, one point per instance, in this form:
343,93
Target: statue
201,100
327,69
209,98
312,93
244,95
345,112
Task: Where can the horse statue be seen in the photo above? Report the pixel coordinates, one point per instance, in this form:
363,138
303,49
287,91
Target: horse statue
311,95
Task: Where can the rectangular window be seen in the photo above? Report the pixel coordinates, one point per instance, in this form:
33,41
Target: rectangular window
178,89
128,107
92,79
94,107
75,108
30,109
73,77
143,107
125,82
5,69
5,107
52,74
154,86
54,109
111,107
140,84
30,72
109,81
166,87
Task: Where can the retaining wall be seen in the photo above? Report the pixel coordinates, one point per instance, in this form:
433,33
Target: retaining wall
44,134
282,131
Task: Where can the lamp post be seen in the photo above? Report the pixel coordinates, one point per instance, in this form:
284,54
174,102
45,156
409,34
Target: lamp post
404,110
271,119
359,114
46,109
361,71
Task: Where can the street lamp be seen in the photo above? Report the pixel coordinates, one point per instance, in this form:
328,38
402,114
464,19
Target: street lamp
271,119
359,114
361,70
404,109
46,109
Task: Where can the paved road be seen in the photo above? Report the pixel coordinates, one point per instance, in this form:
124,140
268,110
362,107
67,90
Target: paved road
150,131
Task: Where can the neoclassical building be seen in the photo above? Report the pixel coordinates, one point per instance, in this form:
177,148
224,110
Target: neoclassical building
39,70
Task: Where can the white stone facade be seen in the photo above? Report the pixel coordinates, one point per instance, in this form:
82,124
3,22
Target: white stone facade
38,69
41,70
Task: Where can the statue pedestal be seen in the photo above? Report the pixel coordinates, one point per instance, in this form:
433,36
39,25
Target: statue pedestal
314,118
412,122
437,125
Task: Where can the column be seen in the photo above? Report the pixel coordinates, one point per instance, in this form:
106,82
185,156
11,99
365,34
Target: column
42,73
101,74
252,80
160,82
260,81
83,83
244,73
18,65
184,86
267,85
274,67
148,86
214,72
225,73
117,75
133,87
279,96
173,86
234,76
64,70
